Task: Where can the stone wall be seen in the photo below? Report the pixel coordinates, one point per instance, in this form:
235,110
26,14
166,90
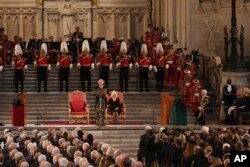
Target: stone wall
201,23
106,18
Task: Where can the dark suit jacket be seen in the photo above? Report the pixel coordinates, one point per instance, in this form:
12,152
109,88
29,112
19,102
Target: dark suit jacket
229,97
100,94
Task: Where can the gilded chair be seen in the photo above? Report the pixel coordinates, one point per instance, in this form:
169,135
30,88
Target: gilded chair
78,107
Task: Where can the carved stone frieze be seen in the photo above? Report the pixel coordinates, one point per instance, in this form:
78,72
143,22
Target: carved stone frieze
81,17
29,16
13,17
54,17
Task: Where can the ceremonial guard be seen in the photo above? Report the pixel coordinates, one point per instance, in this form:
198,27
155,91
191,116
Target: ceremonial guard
160,67
19,64
144,65
64,63
229,96
189,62
179,65
170,67
125,64
100,93
105,63
43,66
85,63
186,85
200,114
3,47
195,91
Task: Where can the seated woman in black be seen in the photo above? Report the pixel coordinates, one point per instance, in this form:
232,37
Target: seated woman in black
114,105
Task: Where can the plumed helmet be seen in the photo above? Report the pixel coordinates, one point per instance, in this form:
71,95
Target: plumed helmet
123,48
144,49
104,46
44,48
85,45
64,47
18,50
159,48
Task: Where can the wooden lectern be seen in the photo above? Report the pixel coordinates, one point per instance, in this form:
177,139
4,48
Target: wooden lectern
166,106
19,110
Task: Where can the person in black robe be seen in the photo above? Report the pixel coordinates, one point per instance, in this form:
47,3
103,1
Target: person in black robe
229,96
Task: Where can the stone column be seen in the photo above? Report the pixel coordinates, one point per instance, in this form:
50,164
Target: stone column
45,24
128,19
21,25
5,21
112,26
89,23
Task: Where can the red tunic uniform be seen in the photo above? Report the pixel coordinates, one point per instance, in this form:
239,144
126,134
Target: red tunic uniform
3,48
195,97
186,86
86,61
179,63
19,63
42,61
64,61
170,71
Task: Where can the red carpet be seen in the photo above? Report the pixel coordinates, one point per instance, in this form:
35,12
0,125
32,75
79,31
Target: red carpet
91,123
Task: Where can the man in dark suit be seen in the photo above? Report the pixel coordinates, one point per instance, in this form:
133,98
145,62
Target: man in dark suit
100,93
77,35
229,96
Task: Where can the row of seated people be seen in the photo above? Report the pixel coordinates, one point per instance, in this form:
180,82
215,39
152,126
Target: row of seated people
114,110
170,66
61,148
184,147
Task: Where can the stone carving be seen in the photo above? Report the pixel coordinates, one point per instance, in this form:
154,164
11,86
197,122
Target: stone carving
211,25
67,11
53,17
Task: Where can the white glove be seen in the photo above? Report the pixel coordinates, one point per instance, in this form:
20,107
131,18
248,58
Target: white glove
35,63
136,64
13,65
155,68
57,65
110,66
130,65
1,68
118,64
93,66
26,67
70,66
98,63
166,66
49,67
78,65
150,67
231,109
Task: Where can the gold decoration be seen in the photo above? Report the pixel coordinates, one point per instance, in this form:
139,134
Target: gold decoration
93,2
40,2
